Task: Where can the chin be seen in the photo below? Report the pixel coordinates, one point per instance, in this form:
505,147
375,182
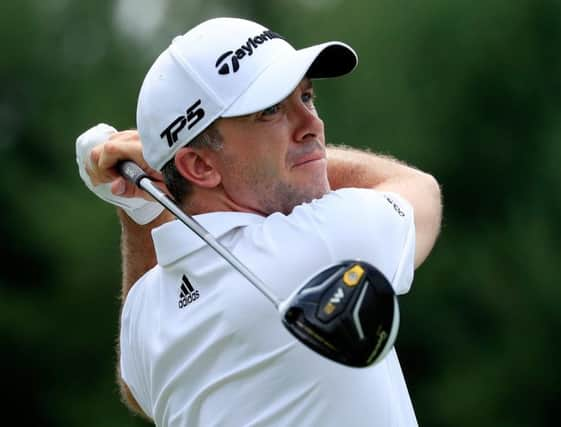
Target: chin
314,193
320,187
284,197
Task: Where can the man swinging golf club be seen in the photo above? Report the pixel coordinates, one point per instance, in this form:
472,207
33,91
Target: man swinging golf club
227,125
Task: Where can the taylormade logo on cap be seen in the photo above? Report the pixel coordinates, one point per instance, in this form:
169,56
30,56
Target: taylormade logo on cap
223,67
240,53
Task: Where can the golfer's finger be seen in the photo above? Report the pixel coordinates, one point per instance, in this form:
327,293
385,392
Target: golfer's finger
115,150
98,176
126,145
124,188
99,173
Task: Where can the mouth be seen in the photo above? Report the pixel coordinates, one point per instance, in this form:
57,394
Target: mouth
309,158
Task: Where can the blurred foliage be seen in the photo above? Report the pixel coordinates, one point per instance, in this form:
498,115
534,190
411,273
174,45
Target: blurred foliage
469,91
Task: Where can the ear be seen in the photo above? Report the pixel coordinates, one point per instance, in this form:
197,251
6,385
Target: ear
197,166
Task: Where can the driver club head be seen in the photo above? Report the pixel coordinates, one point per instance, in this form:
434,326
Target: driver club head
347,313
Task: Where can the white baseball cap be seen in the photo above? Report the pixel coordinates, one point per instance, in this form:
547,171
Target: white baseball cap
224,67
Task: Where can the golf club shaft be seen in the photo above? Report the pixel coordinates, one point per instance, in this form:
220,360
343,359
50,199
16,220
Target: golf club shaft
135,174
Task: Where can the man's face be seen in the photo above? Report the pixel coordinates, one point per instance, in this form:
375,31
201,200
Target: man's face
275,159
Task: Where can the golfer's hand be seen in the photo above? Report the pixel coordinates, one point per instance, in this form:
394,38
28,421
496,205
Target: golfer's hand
98,151
104,157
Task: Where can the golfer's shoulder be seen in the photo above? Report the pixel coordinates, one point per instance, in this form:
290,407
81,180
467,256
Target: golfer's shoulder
356,205
356,213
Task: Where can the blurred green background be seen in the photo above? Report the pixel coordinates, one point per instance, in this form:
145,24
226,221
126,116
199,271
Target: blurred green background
469,91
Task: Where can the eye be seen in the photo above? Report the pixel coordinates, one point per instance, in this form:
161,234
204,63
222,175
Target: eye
308,97
270,111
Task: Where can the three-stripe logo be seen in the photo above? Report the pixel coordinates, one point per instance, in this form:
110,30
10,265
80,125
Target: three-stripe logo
187,294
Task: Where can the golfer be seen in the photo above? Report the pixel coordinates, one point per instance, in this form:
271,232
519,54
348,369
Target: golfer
228,127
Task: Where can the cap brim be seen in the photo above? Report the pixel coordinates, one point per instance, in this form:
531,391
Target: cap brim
277,81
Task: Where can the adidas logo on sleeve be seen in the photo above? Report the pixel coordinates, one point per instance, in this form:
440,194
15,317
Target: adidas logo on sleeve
187,294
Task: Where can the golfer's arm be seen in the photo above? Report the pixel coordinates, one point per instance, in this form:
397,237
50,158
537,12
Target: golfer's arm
128,399
137,249
353,168
138,256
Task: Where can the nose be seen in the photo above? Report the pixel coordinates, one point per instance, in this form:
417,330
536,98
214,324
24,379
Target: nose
307,123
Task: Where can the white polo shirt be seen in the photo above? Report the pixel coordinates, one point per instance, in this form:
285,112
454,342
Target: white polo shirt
200,346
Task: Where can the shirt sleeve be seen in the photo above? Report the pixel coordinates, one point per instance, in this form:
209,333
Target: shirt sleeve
366,225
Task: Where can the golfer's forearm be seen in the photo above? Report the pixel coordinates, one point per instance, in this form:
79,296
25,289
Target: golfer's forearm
348,167
137,249
353,168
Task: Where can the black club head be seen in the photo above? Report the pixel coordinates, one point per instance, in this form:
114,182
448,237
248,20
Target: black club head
347,312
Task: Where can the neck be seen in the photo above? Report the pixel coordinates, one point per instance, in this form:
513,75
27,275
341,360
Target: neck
204,200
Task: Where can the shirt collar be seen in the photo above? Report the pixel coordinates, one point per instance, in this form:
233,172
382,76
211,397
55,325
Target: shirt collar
174,240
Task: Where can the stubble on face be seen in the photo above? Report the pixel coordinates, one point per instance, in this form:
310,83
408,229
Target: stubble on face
272,191
284,197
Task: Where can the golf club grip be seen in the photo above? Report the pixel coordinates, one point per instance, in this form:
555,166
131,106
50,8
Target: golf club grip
131,171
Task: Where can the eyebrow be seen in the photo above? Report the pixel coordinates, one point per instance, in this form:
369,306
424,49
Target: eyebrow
307,83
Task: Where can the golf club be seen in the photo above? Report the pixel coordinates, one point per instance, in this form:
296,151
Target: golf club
348,312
